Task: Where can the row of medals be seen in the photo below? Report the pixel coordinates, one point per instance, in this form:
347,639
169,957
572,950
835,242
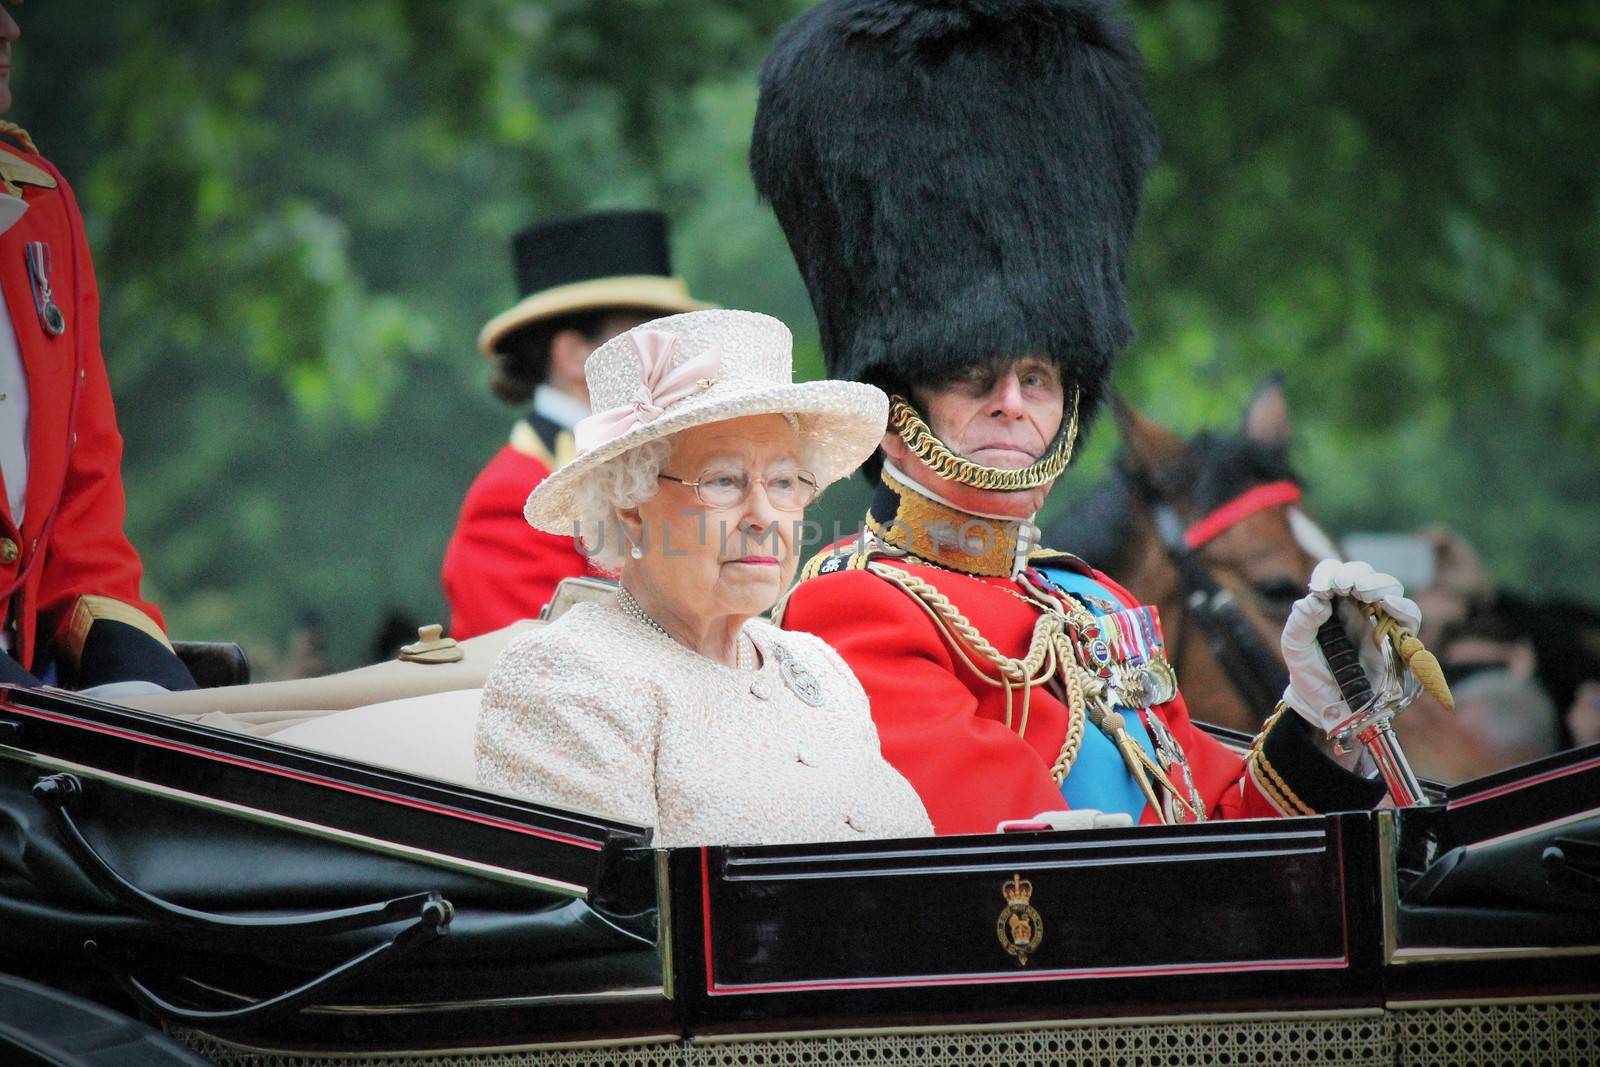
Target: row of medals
1122,648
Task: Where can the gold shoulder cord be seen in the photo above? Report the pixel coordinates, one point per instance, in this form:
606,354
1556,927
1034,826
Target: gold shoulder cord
1077,701
1049,651
925,444
1033,669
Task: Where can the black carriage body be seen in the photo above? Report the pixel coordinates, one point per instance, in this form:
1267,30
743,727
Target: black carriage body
1129,922
567,929
243,831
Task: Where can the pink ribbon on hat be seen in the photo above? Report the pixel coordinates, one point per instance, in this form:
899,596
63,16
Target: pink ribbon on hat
659,388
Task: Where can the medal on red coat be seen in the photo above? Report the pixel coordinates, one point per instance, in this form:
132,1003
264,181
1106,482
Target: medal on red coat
51,320
1175,763
1150,679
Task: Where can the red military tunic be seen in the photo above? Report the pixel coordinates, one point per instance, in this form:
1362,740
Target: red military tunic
497,568
945,729
69,564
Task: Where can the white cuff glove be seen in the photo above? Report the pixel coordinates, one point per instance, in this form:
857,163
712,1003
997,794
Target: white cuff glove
1312,692
1076,819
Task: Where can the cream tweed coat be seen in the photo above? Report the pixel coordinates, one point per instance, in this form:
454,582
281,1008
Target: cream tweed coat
600,713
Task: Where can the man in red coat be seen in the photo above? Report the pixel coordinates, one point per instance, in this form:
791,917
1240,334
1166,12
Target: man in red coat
959,184
69,578
587,279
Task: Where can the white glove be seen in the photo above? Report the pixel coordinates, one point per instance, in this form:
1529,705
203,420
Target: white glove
1076,819
1312,692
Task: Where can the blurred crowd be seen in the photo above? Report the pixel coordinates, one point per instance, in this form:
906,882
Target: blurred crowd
1525,673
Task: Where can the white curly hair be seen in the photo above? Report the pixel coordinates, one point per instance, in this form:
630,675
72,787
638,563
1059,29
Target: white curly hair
626,482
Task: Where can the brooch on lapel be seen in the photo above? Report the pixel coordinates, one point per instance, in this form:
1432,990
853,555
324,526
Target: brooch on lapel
801,682
44,301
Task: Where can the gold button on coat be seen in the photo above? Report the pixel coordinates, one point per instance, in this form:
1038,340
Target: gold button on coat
8,550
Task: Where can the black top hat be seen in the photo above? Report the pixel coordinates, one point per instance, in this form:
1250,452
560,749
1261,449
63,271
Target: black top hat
588,262
958,180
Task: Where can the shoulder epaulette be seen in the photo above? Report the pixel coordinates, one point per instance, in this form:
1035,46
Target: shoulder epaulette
1051,555
15,171
846,557
842,557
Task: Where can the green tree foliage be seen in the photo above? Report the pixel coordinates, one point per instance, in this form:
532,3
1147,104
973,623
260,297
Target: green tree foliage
300,213
1397,205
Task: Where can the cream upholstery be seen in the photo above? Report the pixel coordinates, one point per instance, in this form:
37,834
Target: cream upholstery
429,735
269,707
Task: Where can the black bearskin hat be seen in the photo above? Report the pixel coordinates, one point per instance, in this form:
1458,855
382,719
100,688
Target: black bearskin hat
958,180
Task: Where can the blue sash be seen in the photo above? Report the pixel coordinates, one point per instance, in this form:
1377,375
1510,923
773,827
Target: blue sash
1099,779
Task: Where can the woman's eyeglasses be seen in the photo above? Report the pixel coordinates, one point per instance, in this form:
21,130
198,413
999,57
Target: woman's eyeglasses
787,490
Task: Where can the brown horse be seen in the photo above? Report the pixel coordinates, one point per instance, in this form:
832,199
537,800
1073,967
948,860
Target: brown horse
1208,530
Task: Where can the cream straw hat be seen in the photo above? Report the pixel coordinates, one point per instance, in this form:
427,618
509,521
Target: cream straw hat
699,368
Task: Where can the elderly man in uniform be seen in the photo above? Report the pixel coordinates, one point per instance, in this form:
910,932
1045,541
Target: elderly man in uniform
70,609
959,183
587,278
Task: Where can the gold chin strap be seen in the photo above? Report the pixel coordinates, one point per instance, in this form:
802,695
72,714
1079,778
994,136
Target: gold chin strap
926,446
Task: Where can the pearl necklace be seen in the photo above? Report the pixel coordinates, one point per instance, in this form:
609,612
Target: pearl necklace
631,608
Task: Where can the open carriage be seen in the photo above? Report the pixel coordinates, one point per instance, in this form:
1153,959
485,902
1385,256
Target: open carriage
268,904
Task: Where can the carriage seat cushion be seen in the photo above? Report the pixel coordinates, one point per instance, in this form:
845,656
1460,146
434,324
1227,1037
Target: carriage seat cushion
429,735
264,707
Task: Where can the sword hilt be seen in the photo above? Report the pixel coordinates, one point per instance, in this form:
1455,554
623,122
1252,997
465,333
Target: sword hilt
1368,722
1345,663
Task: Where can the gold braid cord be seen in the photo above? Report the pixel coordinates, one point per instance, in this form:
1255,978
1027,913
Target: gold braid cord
1272,720
1049,651
1035,668
20,135
1266,776
925,444
1424,665
1077,714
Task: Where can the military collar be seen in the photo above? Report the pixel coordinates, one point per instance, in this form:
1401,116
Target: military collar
544,440
16,172
910,520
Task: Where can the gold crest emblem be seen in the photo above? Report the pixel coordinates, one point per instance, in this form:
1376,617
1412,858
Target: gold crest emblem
1020,927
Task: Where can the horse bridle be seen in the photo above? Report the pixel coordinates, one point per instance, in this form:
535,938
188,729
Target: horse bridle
1254,669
